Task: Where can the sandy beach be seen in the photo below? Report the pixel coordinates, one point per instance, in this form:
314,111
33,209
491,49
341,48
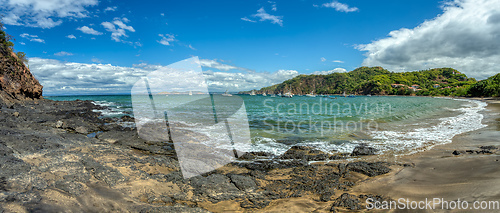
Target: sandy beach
438,173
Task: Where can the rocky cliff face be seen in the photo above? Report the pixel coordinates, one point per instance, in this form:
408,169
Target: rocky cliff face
16,81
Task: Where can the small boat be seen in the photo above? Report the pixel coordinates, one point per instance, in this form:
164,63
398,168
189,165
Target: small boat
273,95
288,95
332,97
252,93
369,95
226,94
190,93
351,96
264,94
311,94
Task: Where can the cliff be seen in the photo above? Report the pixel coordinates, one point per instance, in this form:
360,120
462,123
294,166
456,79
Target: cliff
16,81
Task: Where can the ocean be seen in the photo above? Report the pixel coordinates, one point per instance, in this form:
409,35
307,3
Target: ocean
399,125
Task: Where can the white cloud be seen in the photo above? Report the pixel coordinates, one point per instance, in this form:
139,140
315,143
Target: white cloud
110,9
118,28
63,53
166,39
338,61
247,19
341,7
273,5
191,47
465,37
34,38
71,36
264,16
162,14
221,81
79,78
43,14
59,77
220,66
88,30
340,70
96,60
323,59
22,43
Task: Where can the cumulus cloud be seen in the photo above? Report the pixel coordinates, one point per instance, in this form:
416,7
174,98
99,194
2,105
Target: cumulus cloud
110,9
60,77
34,38
166,39
88,30
465,37
43,14
63,53
329,71
221,81
79,78
341,7
71,36
118,28
323,59
264,16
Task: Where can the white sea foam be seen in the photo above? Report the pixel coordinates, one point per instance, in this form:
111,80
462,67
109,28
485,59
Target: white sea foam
425,138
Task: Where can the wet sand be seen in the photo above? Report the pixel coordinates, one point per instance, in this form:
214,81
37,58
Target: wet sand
438,173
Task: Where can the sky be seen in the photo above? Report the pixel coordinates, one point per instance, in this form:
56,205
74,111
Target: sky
105,46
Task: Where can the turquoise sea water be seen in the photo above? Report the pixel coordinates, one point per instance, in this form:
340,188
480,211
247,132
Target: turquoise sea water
395,124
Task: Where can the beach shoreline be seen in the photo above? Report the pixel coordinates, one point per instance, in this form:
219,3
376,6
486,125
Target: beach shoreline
60,156
450,171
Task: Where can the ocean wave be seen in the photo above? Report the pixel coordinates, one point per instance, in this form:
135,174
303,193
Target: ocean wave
425,138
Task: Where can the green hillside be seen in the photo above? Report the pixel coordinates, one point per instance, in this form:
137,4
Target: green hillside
378,81
488,88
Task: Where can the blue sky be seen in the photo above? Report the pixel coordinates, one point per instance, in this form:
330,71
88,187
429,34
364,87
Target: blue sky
93,47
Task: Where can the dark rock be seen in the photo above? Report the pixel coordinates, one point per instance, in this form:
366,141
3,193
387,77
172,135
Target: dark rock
3,184
306,153
108,175
456,152
488,147
81,130
216,187
347,201
73,188
369,169
363,149
243,183
272,164
256,155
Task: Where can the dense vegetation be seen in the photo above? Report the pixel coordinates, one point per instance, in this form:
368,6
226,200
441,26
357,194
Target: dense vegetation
489,87
378,81
6,43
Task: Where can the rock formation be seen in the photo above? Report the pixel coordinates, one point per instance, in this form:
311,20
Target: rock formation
16,81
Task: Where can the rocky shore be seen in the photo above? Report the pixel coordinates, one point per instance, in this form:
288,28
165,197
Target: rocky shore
63,157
